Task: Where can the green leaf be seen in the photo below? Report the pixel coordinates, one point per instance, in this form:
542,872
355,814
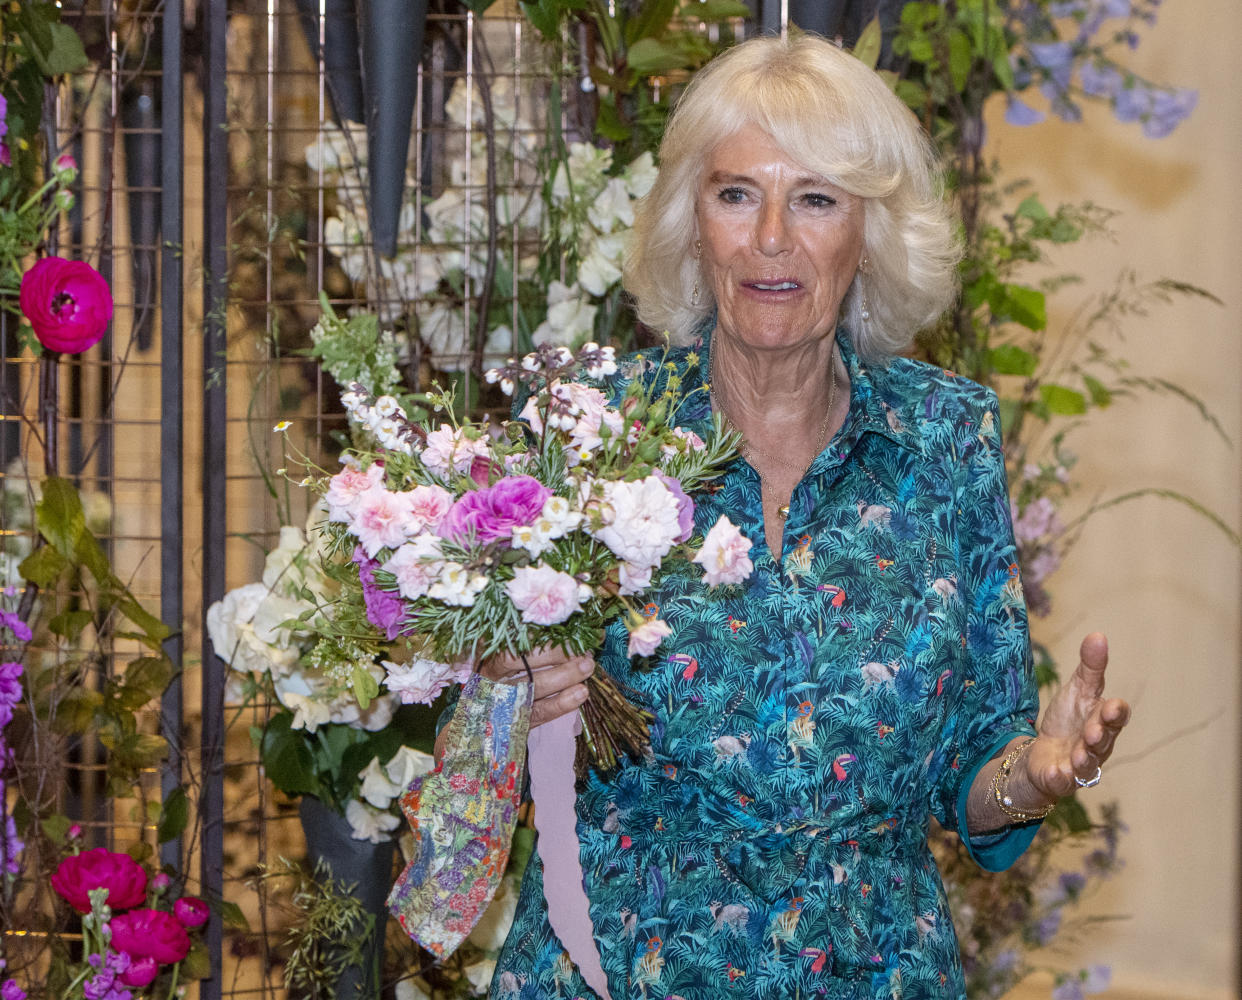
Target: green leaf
961,56
867,48
139,850
75,711
69,624
477,6
43,567
1100,394
174,815
67,54
366,687
287,759
1019,304
1032,208
1003,70
649,57
231,915
56,828
146,678
1062,400
1010,359
718,10
59,515
651,21
1071,814
545,16
197,964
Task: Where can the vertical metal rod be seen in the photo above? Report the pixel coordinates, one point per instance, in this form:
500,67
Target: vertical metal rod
171,402
215,462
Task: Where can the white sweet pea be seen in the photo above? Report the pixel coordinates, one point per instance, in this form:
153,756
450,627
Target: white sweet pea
370,824
407,765
640,175
570,317
377,789
308,713
612,207
597,273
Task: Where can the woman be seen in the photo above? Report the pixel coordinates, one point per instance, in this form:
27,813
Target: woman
876,666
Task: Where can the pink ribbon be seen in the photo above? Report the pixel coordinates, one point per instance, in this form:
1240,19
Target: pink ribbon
550,750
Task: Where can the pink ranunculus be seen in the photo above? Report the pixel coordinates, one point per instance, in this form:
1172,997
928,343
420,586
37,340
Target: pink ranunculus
685,506
141,972
150,933
491,514
67,302
647,637
725,555
191,911
545,596
99,868
428,505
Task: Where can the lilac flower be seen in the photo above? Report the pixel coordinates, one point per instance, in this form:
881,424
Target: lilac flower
1097,980
1169,108
11,991
98,987
1067,8
10,690
1018,113
384,610
1052,56
1099,80
1071,989
1073,883
1046,928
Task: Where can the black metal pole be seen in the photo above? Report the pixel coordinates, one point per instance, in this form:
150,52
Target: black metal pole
215,293
172,497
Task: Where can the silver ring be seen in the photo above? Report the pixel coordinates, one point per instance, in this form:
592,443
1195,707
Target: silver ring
1090,782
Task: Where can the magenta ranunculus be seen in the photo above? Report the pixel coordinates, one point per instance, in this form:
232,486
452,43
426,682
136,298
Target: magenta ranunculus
150,933
191,911
99,868
141,972
384,610
67,302
491,514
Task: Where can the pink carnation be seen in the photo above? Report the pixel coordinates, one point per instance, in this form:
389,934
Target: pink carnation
422,680
725,555
416,565
647,637
348,487
545,596
382,521
447,449
490,514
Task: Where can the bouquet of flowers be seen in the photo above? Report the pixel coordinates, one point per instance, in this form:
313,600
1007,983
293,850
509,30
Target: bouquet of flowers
470,540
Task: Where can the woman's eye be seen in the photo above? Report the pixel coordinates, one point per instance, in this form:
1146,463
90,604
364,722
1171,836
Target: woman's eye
816,200
732,195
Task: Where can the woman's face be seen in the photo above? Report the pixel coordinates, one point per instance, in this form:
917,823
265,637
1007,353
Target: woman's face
780,243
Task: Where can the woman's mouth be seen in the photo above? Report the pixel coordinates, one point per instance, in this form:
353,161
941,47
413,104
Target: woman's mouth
773,286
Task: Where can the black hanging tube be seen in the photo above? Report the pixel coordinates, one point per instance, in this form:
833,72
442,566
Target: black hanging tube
172,497
215,293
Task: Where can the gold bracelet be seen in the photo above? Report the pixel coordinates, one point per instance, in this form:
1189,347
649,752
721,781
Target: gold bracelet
1000,788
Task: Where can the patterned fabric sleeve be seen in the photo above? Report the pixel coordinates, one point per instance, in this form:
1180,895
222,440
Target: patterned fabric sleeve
998,699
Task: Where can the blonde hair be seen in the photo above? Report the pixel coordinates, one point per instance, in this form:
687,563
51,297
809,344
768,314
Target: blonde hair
836,117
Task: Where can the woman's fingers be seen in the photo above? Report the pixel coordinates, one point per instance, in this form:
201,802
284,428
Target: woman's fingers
556,705
558,679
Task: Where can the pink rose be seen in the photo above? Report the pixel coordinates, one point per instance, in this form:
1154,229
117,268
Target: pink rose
67,302
545,596
725,555
348,486
416,565
648,636
141,972
381,521
150,933
428,505
99,868
491,514
420,681
191,911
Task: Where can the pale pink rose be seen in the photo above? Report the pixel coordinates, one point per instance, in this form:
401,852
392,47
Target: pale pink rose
641,521
447,449
647,637
428,505
689,441
382,521
545,596
725,555
634,579
416,565
348,487
422,680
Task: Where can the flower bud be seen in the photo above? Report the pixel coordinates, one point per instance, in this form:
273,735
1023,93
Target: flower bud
66,168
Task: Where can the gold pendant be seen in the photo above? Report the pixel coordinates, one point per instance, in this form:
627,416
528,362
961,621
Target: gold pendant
783,511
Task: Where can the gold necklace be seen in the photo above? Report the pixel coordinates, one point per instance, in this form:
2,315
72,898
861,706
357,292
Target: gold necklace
748,449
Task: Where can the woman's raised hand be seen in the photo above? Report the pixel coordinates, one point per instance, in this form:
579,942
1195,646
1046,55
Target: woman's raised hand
558,677
1079,727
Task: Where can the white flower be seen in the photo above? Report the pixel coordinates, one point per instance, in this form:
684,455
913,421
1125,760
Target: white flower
725,555
412,989
457,586
641,522
408,764
338,149
230,625
377,789
640,175
587,166
480,975
370,824
308,713
544,595
421,680
571,317
597,273
612,206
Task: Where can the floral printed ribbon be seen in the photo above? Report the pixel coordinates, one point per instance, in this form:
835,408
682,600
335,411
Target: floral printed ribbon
463,814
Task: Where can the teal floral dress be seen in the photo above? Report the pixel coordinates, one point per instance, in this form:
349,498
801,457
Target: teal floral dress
774,844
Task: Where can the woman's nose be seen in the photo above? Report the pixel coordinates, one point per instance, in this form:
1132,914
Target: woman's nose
773,236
